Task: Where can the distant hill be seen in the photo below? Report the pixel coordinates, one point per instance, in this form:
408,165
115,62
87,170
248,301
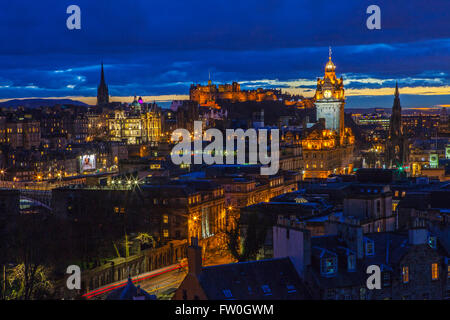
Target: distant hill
34,103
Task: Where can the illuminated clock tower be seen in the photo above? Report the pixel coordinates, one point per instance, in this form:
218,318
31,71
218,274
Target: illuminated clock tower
330,99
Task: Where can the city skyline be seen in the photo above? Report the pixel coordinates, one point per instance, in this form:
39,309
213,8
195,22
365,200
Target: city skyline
158,56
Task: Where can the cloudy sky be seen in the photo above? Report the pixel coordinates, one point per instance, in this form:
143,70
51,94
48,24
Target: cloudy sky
156,49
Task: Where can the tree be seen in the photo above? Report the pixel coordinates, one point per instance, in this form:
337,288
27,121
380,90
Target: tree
32,252
245,244
25,282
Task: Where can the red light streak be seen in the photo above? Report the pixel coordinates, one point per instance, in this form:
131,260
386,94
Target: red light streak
122,283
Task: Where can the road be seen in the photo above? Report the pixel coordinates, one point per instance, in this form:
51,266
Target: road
161,282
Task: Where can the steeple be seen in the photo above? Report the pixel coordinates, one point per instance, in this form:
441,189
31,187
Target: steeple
102,80
396,117
102,91
396,149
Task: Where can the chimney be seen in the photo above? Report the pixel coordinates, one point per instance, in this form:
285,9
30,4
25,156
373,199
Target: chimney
322,122
194,255
418,234
291,239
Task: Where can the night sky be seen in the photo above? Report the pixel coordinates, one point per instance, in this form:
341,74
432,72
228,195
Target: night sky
158,48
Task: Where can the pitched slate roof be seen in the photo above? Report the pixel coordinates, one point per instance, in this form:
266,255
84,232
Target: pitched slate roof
272,279
130,292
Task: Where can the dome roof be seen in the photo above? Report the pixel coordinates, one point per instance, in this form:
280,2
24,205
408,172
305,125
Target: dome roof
329,67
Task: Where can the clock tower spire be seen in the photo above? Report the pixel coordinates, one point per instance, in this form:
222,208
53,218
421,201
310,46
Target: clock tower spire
330,98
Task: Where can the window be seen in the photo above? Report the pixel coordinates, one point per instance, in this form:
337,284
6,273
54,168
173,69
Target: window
432,242
434,271
329,266
166,233
250,291
405,274
165,218
386,279
331,294
227,293
291,288
362,294
370,250
351,260
266,289
396,193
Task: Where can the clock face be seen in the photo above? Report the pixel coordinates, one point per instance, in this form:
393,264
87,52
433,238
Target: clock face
327,94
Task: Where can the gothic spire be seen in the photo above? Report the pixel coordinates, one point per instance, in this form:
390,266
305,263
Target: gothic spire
102,79
102,91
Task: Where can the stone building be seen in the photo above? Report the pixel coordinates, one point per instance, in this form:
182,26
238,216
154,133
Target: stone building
334,266
330,99
272,279
328,146
207,95
135,127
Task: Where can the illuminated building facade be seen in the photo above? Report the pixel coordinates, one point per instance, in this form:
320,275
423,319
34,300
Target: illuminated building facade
20,132
328,146
323,155
330,99
207,95
135,128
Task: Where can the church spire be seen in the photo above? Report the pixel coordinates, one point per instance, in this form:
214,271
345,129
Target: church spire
102,80
396,150
102,90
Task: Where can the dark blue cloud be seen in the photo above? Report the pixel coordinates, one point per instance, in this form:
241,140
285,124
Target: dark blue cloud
160,47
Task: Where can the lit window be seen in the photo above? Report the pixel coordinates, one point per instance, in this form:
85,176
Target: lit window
434,271
370,251
329,266
432,242
166,233
165,218
405,274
